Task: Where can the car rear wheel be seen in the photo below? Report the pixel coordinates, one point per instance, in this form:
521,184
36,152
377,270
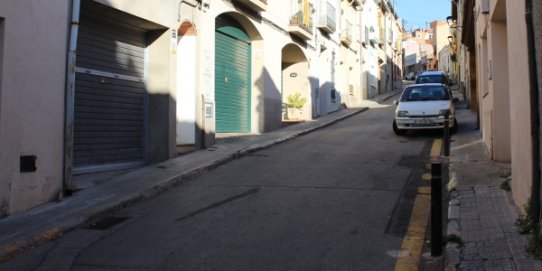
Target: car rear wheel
398,131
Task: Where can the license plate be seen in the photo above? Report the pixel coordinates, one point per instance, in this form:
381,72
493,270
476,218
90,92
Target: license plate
423,121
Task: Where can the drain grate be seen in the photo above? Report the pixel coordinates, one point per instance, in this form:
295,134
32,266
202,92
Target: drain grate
106,223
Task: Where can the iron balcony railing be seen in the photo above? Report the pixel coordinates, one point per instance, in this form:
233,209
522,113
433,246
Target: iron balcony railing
327,21
346,32
305,22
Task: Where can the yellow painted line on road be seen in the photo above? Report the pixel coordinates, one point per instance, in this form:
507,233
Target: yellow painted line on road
435,149
426,176
413,241
13,250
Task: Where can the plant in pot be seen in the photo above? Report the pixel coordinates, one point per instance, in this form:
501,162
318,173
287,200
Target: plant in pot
295,105
294,20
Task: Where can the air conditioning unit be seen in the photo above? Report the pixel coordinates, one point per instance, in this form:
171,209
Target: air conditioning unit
484,7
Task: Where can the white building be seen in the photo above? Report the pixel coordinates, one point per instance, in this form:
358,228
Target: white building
118,85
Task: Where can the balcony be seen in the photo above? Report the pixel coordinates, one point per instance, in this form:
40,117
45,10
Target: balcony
256,5
356,3
381,38
326,21
301,26
346,33
374,41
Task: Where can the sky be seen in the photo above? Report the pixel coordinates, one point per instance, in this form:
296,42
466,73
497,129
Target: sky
418,13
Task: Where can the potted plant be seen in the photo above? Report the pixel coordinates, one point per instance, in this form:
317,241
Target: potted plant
295,105
295,19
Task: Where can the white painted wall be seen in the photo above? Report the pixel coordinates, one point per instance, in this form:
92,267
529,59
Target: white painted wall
186,91
521,143
32,101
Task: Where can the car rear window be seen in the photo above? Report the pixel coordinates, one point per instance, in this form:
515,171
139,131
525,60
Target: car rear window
425,93
424,79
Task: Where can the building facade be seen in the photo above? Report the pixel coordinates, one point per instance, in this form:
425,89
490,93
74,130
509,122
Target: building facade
493,72
122,84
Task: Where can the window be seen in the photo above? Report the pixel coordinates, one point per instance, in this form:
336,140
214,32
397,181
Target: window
431,93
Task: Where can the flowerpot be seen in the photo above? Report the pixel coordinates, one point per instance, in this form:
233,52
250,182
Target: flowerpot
295,113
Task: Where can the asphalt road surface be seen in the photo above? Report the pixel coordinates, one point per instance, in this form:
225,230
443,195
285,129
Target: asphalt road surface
339,198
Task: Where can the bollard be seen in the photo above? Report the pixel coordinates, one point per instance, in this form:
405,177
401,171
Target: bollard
446,140
436,209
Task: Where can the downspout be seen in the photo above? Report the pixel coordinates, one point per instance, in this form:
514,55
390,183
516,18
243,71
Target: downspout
535,115
70,98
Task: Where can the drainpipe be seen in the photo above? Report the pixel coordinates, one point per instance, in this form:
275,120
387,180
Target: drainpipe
535,115
70,98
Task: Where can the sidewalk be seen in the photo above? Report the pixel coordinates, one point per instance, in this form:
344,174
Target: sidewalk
480,212
22,232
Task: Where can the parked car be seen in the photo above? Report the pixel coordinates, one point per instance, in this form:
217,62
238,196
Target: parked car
412,75
423,106
433,77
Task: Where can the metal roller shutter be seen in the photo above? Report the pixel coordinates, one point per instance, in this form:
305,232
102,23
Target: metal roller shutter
109,113
232,78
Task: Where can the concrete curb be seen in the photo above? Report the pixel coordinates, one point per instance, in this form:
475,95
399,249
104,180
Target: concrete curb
391,95
85,214
452,251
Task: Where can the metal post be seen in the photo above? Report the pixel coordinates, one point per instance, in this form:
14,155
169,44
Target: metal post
436,209
447,133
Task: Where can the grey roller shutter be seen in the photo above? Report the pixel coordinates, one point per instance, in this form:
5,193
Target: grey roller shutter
109,107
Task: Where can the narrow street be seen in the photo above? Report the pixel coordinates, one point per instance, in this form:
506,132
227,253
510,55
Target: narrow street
339,198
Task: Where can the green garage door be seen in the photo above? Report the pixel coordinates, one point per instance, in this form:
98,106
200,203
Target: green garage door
232,78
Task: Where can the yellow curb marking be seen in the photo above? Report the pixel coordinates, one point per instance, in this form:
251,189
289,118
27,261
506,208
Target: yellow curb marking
426,176
15,249
435,149
414,237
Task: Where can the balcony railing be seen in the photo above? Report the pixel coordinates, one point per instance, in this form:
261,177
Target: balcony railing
346,33
301,26
326,21
256,5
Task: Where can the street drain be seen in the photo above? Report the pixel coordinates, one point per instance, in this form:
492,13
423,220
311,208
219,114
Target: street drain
106,223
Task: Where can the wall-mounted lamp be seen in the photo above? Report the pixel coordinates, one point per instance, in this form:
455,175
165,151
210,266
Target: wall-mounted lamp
452,23
453,43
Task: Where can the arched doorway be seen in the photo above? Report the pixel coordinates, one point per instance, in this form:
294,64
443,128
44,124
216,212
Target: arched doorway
232,76
186,87
295,85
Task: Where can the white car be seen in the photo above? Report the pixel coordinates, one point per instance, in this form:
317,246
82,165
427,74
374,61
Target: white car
423,106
